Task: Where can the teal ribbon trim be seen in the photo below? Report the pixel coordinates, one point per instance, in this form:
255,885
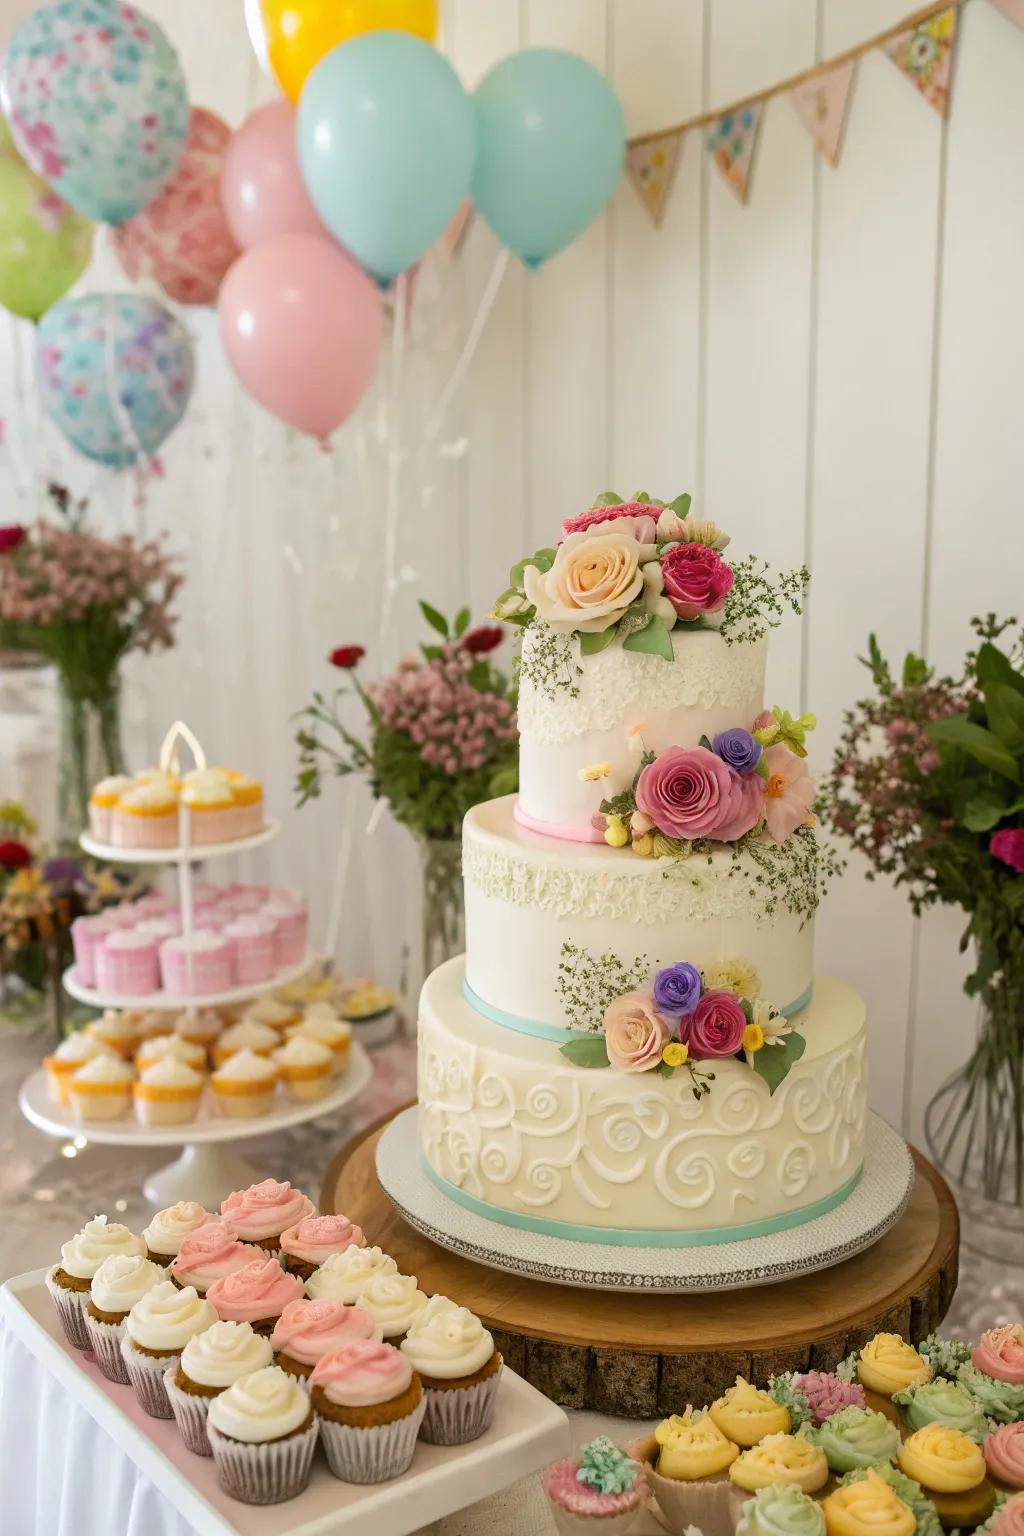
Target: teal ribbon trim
561,1036
619,1237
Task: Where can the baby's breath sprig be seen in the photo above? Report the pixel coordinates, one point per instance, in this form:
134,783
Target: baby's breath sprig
760,599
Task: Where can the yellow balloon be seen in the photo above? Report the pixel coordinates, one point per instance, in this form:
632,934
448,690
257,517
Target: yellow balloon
300,32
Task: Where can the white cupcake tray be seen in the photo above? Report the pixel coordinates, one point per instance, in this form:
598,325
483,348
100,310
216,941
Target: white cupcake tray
168,1001
204,1171
528,1433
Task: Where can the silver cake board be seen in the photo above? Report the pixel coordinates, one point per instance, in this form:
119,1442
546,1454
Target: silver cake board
875,1205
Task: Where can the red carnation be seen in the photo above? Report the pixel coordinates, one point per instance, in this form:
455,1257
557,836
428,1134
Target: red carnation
347,656
14,855
487,637
11,535
1008,847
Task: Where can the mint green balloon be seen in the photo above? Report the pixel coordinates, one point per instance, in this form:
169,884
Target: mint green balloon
45,246
551,142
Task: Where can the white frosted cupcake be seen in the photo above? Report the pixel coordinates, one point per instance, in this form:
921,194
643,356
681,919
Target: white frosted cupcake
71,1054
328,1030
118,1031
344,1276
262,1432
246,1035
70,1281
121,1281
211,1362
370,1403
173,1047
170,1227
101,1089
199,1026
104,797
460,1370
167,1093
394,1303
244,1085
157,1329
269,1010
305,1068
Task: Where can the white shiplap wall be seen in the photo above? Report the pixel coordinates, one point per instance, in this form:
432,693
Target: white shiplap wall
833,370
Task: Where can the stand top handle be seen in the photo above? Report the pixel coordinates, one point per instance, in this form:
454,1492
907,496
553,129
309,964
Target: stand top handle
170,753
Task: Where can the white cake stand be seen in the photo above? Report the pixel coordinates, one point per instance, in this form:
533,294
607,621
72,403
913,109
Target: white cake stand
206,1170
169,1002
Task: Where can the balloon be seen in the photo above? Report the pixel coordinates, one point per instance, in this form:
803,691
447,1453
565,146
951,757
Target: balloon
97,103
387,140
44,245
551,144
299,32
257,30
181,239
302,327
115,374
262,188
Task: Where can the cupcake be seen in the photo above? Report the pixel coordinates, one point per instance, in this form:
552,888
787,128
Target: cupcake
746,1415
1008,1519
159,928
169,1047
888,1364
86,935
117,1285
104,797
171,1226
70,1281
244,1085
210,1363
261,1213
199,1026
207,799
253,941
856,1437
944,1402
119,1032
370,1404
167,1093
327,1031
305,1068
196,964
995,1373
364,1002
394,1303
308,1330
814,1396
602,1484
246,1035
257,1293
951,1470
101,1089
262,1432
781,1510
906,1490
152,1024
1004,1457
291,925
305,1246
687,1461
781,1458
268,1010
247,805
128,963
345,1276
71,1054
455,1358
209,1253
156,1331
145,816
867,1507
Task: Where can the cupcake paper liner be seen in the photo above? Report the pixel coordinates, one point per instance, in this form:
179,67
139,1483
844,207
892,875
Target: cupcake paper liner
374,1454
712,1504
146,1374
71,1311
459,1414
105,1342
190,1411
569,1524
263,1474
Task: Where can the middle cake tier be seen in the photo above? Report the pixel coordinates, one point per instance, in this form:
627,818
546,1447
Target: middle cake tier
555,931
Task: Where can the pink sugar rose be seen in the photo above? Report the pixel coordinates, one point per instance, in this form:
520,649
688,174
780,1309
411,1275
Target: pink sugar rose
638,518
1007,845
696,579
788,792
634,1033
745,807
1009,1520
1000,1353
686,792
715,1027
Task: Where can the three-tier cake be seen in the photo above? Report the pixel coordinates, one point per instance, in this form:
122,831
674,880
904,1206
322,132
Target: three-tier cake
635,1048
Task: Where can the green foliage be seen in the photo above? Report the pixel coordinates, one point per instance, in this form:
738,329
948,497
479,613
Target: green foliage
772,1062
591,1052
653,640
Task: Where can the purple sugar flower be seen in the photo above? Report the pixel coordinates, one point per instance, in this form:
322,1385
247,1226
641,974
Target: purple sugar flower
738,748
677,990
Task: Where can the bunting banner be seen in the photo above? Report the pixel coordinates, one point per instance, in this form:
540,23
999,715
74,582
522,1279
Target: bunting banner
652,168
821,105
925,56
732,142
1014,9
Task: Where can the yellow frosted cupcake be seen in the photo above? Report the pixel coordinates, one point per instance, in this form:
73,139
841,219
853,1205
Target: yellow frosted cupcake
101,1089
781,1459
888,1364
244,1085
168,1093
688,1461
304,1067
951,1469
745,1414
868,1507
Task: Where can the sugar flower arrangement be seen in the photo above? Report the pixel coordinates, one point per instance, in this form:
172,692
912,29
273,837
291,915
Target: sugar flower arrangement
687,1018
640,569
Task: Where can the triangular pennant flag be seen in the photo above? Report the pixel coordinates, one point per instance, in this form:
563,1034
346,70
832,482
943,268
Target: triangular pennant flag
925,55
822,104
732,142
652,168
1012,8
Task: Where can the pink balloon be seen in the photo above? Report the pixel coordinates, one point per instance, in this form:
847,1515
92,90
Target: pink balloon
302,325
181,239
262,188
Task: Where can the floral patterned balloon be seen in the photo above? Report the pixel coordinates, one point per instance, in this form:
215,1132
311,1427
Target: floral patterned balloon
115,373
97,103
181,239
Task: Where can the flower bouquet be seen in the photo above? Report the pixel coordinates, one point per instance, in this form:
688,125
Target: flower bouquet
928,783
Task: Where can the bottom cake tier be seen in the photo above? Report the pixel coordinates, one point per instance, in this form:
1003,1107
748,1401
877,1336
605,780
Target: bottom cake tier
512,1129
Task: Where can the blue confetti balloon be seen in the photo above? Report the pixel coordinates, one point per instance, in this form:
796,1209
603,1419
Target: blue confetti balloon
115,373
97,104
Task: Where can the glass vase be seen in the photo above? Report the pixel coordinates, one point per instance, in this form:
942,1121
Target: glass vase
90,749
443,915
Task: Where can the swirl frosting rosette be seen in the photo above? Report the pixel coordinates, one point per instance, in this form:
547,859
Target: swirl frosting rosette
446,1341
1004,1455
745,1415
82,1255
224,1352
344,1276
944,1402
255,1293
783,1510
308,1330
856,1437
315,1238
888,1364
1000,1354
266,1405
942,1460
911,1493
868,1507
169,1227
788,1459
1008,1521
1001,1400
264,1210
362,1374
826,1394
691,1447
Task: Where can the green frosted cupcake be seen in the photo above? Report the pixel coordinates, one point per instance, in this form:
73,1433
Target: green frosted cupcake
781,1511
948,1403
1000,1400
856,1437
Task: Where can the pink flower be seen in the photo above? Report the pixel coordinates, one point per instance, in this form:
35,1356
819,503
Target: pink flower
696,579
745,808
763,721
1000,1353
634,1033
715,1027
686,792
1007,845
639,518
788,792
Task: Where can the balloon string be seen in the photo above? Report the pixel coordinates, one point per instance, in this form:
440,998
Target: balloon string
394,459
476,330
122,415
340,873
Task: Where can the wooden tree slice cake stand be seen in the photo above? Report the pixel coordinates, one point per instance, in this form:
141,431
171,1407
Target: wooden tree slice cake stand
642,1355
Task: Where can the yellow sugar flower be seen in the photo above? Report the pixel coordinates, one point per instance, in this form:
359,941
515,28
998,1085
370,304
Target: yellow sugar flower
753,1038
781,1459
888,1364
644,846
747,1414
732,975
616,833
594,772
675,1054
693,1448
942,1460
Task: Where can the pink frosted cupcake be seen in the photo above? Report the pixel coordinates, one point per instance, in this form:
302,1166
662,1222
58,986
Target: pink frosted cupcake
127,962
1004,1457
197,964
210,1253
308,1330
257,1294
290,916
263,1434
305,1246
87,933
261,1213
601,1485
121,1281
370,1403
253,940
